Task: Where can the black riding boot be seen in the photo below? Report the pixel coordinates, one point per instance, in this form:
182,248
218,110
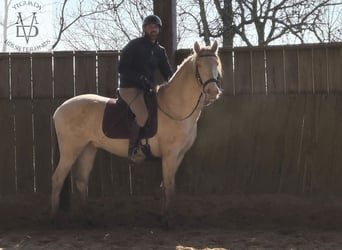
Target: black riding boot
133,140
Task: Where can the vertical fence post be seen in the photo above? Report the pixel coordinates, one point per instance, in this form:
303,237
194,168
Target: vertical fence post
7,160
42,114
21,94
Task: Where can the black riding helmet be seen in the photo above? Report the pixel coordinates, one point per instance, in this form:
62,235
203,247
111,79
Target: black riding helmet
152,19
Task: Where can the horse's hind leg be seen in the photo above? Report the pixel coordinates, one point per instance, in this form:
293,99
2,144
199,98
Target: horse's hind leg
68,155
83,169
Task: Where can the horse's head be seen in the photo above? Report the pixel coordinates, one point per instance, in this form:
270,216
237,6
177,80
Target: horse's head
208,71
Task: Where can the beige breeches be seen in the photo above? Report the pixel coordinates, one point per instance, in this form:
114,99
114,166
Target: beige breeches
134,97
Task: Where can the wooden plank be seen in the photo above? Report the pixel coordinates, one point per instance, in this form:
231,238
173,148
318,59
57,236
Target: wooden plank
243,135
107,73
63,74
24,146
335,69
305,165
7,158
120,175
291,71
4,73
227,163
21,75
85,73
269,144
146,178
286,144
42,75
42,145
95,180
307,135
103,162
336,173
245,119
319,167
242,72
258,72
275,71
227,84
306,85
287,167
111,176
320,71
222,162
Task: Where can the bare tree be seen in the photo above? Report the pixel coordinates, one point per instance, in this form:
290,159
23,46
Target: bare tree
109,24
107,29
261,22
328,26
84,10
4,23
274,19
213,19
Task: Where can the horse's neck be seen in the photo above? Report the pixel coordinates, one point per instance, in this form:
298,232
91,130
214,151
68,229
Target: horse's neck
182,92
180,96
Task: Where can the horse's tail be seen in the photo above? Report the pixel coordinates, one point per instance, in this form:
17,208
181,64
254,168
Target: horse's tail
65,194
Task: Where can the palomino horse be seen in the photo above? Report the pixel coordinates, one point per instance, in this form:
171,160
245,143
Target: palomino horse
78,124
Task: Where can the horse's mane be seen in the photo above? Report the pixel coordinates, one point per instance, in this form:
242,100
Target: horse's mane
191,59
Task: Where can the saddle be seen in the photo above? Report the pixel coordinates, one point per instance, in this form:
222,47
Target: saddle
118,117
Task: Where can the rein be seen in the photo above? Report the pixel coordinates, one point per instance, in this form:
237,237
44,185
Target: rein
203,84
186,117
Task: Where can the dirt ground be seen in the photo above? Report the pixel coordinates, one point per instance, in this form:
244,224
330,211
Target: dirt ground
229,222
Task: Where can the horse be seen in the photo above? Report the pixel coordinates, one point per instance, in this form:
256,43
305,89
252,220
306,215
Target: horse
78,126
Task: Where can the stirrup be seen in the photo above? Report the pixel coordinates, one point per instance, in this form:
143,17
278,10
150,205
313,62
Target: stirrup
146,149
142,152
137,155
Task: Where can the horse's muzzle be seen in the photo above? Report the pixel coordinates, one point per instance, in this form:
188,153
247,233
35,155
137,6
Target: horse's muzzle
212,93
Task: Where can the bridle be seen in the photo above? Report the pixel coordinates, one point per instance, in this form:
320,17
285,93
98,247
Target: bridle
203,84
198,75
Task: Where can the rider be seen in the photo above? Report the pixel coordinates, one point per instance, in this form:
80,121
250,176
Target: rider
139,60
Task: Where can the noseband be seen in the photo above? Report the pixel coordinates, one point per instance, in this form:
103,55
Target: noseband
203,84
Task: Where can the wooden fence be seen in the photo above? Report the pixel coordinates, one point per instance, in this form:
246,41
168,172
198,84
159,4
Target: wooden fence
277,127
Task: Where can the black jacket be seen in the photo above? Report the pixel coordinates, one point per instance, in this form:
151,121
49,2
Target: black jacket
139,61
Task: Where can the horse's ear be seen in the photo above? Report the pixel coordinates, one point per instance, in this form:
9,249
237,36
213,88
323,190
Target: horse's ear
214,47
197,48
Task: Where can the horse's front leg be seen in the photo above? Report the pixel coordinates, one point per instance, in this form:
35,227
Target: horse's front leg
170,166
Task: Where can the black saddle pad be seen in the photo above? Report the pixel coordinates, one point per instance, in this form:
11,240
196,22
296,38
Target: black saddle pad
118,117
